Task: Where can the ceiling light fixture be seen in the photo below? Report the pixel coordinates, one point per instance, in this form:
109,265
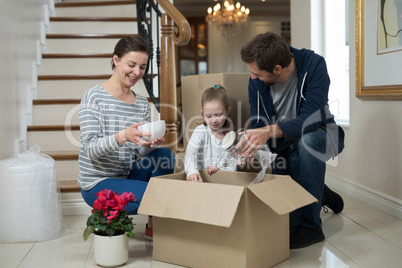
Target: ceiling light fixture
228,18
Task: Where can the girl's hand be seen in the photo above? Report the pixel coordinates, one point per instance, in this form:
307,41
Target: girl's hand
194,177
212,170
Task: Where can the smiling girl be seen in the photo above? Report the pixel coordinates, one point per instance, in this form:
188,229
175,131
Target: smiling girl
204,149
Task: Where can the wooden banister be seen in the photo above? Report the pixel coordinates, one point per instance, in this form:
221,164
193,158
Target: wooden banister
168,99
182,30
175,30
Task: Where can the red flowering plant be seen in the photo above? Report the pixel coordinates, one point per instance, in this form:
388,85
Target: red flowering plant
108,216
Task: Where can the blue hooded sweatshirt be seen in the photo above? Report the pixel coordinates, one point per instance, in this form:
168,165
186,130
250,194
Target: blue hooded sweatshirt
311,102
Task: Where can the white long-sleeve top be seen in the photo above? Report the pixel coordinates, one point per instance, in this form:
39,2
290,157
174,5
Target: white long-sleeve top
203,150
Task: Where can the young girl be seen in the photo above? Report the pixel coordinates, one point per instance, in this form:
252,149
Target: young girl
204,150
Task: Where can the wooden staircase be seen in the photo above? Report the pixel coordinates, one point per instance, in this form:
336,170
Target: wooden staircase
79,48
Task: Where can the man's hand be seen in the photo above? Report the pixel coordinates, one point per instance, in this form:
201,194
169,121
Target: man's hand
254,139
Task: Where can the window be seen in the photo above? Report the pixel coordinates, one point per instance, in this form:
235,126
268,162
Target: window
336,52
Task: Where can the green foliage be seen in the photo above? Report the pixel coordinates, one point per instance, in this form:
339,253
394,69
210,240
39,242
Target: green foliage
108,218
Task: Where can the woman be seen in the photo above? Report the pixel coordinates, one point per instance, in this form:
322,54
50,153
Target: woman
113,155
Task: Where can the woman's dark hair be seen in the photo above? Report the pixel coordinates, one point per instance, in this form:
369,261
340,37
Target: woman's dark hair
128,44
267,50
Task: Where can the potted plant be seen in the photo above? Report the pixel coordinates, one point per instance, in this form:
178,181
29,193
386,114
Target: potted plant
111,226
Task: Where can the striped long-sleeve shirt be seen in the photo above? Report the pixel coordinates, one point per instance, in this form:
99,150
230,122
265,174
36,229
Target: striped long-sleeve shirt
101,116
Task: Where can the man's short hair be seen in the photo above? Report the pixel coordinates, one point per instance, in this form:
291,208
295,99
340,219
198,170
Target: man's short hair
267,50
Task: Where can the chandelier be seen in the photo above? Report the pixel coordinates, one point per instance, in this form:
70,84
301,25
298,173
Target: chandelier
228,18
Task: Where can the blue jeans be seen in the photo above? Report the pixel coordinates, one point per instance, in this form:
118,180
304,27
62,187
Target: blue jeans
305,163
158,162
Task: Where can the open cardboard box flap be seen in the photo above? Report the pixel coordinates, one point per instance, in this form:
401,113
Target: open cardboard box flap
216,200
282,194
208,203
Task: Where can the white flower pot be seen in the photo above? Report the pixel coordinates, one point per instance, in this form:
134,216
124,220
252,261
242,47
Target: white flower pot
111,251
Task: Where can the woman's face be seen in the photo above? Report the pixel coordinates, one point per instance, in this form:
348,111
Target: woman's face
131,67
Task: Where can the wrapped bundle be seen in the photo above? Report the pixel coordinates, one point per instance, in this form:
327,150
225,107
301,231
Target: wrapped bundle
29,198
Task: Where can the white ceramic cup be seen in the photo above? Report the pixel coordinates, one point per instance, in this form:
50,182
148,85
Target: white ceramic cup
157,129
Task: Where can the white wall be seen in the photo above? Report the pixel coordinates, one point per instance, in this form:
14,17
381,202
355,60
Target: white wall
19,33
370,165
224,54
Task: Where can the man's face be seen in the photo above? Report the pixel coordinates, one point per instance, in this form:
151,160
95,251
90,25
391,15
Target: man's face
266,77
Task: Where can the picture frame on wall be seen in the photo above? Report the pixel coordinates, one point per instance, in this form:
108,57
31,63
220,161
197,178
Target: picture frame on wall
379,49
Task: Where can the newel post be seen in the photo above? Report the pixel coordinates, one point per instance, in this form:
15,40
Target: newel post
168,99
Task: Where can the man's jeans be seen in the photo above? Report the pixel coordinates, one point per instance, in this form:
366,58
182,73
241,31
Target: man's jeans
158,162
305,163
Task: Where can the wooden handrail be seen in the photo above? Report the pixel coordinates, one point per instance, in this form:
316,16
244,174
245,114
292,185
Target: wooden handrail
182,30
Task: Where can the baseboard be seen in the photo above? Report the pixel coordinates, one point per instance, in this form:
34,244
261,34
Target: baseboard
381,201
74,207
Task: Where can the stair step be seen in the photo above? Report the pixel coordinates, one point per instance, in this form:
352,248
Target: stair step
76,55
81,66
80,19
83,45
53,128
92,27
84,35
58,137
74,77
94,3
60,114
56,101
69,186
64,101
55,112
115,10
69,89
63,155
75,89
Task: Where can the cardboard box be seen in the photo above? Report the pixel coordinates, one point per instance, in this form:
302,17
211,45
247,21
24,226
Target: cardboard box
223,222
194,85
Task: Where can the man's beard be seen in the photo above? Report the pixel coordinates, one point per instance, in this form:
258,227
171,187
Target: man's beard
272,82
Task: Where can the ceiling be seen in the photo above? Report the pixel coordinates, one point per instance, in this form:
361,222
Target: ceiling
198,8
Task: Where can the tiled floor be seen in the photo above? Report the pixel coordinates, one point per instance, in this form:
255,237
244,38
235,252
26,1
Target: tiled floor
361,236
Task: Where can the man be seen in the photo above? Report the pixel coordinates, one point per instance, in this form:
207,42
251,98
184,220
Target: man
288,95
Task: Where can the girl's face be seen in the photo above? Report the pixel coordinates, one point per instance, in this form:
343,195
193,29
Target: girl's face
131,67
215,114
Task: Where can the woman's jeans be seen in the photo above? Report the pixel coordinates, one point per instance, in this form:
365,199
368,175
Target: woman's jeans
305,161
158,162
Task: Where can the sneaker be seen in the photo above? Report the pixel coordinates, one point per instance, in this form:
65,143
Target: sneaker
148,233
303,236
332,200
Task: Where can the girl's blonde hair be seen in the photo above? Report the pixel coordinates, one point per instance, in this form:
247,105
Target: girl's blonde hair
216,93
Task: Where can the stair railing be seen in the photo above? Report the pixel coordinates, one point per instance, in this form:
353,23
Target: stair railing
175,31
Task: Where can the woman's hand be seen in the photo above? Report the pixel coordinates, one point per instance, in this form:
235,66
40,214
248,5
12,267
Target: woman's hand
133,135
194,177
158,142
212,170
